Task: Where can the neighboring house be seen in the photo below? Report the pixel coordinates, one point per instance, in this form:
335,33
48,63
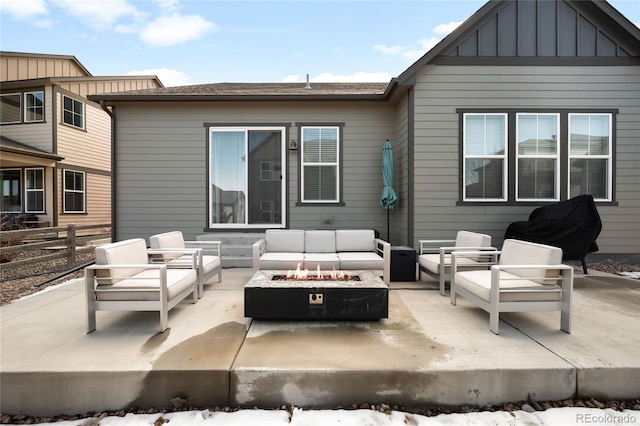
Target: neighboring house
55,144
526,103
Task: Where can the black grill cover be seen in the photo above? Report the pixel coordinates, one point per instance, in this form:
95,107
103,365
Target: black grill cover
572,225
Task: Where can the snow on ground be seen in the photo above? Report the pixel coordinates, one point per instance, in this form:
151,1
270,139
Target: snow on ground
300,417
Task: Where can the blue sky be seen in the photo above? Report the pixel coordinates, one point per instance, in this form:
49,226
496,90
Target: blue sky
210,41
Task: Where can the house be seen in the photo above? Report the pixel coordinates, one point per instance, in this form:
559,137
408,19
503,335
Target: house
55,144
527,103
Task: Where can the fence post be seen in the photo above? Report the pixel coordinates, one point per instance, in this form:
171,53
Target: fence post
71,244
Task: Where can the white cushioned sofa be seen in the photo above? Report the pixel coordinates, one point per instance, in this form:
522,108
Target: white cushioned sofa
123,279
342,249
527,277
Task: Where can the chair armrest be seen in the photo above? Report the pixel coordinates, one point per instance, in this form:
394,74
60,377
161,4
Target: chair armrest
195,253
258,248
213,248
566,276
488,258
432,246
383,249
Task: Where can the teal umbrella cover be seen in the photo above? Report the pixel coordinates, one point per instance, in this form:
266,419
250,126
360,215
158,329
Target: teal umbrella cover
389,197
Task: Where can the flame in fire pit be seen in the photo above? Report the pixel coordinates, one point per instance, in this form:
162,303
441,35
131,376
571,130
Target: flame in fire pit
317,275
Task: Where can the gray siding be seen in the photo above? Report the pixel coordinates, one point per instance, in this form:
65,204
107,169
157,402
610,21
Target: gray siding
161,162
440,90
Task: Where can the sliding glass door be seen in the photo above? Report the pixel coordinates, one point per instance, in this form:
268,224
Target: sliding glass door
246,177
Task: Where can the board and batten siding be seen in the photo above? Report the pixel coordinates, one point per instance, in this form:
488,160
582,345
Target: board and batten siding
161,176
440,90
25,68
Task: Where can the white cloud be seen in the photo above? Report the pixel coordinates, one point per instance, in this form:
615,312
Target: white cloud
413,53
445,29
168,77
23,9
326,77
100,13
389,50
293,78
175,29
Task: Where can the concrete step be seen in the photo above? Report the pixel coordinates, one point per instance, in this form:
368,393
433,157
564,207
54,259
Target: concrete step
237,262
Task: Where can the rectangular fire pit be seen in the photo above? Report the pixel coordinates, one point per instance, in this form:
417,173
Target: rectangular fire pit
363,298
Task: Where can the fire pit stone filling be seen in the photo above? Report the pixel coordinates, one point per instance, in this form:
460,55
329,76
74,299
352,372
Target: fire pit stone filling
339,295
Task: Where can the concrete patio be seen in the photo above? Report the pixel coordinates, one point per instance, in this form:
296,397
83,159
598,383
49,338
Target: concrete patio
427,353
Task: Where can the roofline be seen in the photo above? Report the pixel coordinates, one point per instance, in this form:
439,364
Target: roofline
408,76
54,80
27,150
46,56
181,98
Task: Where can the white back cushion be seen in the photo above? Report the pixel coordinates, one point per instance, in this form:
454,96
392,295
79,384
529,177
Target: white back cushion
284,240
472,239
516,252
320,241
127,252
173,239
355,240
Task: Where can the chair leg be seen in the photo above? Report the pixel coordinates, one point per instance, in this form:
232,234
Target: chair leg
584,266
494,322
90,295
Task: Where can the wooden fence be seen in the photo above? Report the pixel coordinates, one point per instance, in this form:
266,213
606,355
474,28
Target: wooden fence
65,241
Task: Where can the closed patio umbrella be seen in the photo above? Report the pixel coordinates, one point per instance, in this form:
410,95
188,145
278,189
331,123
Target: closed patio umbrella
389,197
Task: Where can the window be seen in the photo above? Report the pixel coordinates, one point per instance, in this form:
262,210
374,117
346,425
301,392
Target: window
10,107
11,191
33,106
34,190
536,156
74,191
320,180
485,157
72,112
590,155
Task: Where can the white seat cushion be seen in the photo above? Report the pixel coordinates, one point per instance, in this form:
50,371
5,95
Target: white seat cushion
281,260
178,280
327,261
479,283
209,263
360,260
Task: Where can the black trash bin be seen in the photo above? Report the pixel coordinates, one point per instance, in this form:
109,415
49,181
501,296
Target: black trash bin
403,263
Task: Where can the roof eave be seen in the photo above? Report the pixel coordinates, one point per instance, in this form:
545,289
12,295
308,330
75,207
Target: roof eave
115,97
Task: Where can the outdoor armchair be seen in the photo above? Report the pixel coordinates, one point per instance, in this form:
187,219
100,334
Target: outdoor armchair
434,257
208,255
123,279
527,277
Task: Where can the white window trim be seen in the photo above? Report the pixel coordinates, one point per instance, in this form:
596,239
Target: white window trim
608,157
246,130
65,191
336,164
19,94
81,114
40,190
504,157
555,156
25,107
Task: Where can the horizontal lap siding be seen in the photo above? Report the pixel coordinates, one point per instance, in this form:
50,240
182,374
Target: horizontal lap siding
440,90
161,162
